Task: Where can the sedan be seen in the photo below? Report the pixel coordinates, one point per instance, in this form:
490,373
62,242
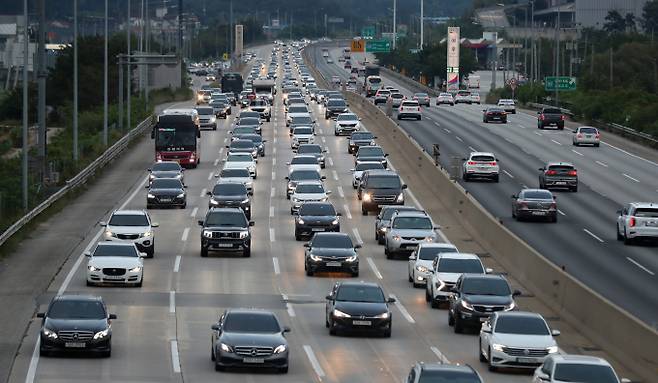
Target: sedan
239,175
257,139
115,263
166,169
360,306
586,135
230,194
534,204
313,150
494,113
243,146
307,191
303,161
331,252
421,259
422,98
241,161
166,192
314,217
249,337
358,170
560,368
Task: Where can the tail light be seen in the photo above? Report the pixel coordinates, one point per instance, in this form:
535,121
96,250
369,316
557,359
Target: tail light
551,172
563,117
631,222
598,135
541,117
572,173
471,162
493,163
580,135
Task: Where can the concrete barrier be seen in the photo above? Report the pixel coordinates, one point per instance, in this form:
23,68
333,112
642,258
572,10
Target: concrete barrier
631,342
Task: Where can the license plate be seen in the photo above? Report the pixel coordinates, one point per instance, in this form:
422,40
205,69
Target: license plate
482,168
317,229
253,360
651,223
560,183
223,245
165,200
538,213
334,264
116,277
75,344
588,136
362,323
526,360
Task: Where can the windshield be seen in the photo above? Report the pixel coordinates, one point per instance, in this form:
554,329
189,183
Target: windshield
166,183
430,376
205,111
165,166
362,136
537,194
481,158
523,325
115,251
242,144
304,161
77,309
175,138
226,218
255,138
384,182
313,209
301,120
374,80
304,131
244,130
356,293
297,109
129,220
304,175
229,189
460,266
420,223
584,373
238,173
248,322
309,149
370,151
309,188
336,103
428,253
347,117
361,166
239,158
248,121
485,286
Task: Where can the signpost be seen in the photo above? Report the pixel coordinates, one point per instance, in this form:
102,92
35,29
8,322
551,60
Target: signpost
375,46
452,74
560,83
358,46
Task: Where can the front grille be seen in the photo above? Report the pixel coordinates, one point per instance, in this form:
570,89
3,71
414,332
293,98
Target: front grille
413,238
531,352
127,236
225,234
488,309
167,157
167,198
254,350
114,271
75,336
384,198
448,286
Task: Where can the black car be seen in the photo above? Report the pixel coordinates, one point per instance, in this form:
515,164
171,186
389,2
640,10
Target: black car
221,108
494,113
476,296
358,139
441,372
371,153
243,146
250,121
334,107
248,114
166,169
249,338
314,150
76,323
257,139
296,121
379,188
166,192
550,117
230,194
358,306
331,252
226,229
316,217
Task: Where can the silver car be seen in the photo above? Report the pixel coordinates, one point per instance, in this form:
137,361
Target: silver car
408,229
586,135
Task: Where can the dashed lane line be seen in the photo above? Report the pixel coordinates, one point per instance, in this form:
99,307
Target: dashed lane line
630,178
508,174
636,263
177,264
186,233
403,310
314,361
172,302
194,212
602,164
374,268
275,263
593,235
348,214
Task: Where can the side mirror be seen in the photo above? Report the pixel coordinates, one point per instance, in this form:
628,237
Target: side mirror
208,193
155,224
146,186
412,257
488,270
543,376
41,315
516,293
327,192
87,253
323,177
357,246
339,214
226,146
542,169
287,178
307,245
252,223
216,327
143,255
112,316
102,224
486,328
514,196
619,212
329,298
554,197
391,300
404,186
386,155
555,332
463,159
539,112
200,222
184,186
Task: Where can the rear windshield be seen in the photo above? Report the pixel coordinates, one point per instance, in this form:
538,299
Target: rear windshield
589,130
129,220
165,166
239,158
561,168
440,376
455,265
646,212
388,213
317,209
397,95
303,131
307,149
537,194
304,161
409,103
347,117
384,182
249,121
297,109
302,120
234,173
242,144
483,158
249,114
552,111
335,102
362,136
304,175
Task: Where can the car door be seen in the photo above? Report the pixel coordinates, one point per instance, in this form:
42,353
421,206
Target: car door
621,220
331,302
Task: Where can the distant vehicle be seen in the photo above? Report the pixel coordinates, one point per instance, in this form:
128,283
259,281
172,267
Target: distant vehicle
316,217
508,105
558,175
230,194
586,135
325,52
475,98
331,252
463,97
232,82
207,118
419,268
422,98
133,226
409,109
381,96
445,98
166,192
636,221
480,165
494,113
347,65
347,123
474,82
177,139
407,230
265,89
373,83
371,70
550,117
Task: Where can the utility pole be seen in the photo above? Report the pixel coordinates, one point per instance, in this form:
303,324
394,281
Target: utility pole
180,28
230,29
41,78
105,58
26,147
291,24
611,69
557,58
75,81
422,23
128,72
395,9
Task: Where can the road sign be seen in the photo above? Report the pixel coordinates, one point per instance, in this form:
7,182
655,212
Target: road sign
378,46
226,57
561,83
368,31
358,46
513,83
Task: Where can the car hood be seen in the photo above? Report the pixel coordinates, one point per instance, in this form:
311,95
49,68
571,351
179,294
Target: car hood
94,325
329,252
361,308
309,196
225,228
488,299
252,339
118,262
165,191
449,277
239,165
347,122
318,218
298,136
128,229
230,198
291,115
363,158
523,341
164,174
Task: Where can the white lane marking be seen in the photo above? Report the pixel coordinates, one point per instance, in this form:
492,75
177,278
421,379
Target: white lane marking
602,164
272,238
327,150
314,361
273,176
273,161
508,173
291,311
593,235
210,175
175,359
194,211
374,268
403,310
459,139
77,263
172,302
630,178
521,126
225,139
324,140
357,236
347,211
508,140
274,150
577,152
340,192
439,354
275,262
631,154
32,370
561,212
539,134
331,162
216,162
472,149
203,192
429,118
447,130
221,151
636,263
437,124
186,233
272,192
177,264
271,211
335,175
275,139
555,142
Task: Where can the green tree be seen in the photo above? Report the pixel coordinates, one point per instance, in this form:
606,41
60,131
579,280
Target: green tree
650,16
614,22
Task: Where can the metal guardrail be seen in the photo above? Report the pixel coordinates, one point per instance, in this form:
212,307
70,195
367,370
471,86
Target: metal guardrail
110,153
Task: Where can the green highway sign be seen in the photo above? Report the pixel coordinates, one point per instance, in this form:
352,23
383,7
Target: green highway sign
561,83
378,46
368,31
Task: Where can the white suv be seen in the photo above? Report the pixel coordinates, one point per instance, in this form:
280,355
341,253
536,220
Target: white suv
131,226
444,273
409,109
347,123
420,261
570,368
637,220
480,165
508,105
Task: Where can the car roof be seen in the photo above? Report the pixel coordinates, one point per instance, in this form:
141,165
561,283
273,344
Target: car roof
482,154
560,163
459,256
381,172
254,311
483,276
400,207
437,245
224,210
579,359
446,367
129,212
519,314
409,213
535,190
644,204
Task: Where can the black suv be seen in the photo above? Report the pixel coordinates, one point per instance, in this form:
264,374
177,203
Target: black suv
315,217
550,117
76,323
358,139
379,188
360,306
476,296
230,194
226,229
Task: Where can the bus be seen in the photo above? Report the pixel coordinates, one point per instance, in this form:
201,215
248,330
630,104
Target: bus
373,83
176,136
232,83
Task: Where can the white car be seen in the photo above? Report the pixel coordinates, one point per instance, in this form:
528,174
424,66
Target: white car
115,263
307,191
508,105
132,226
360,167
420,261
516,339
302,135
301,161
347,123
409,109
636,221
475,98
445,98
463,97
240,175
586,135
480,165
296,110
446,269
241,161
571,368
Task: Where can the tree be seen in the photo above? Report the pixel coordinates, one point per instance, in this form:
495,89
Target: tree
629,20
650,16
614,22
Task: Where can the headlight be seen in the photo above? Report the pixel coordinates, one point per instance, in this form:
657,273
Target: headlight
372,142
246,200
101,334
109,233
421,268
151,177
510,307
149,195
324,199
315,258
49,333
497,347
280,349
334,222
213,202
225,347
383,229
466,305
181,195
429,239
367,197
244,234
295,200
212,119
552,349
397,238
179,176
93,268
383,315
340,314
135,269
351,259
146,234
400,197
207,233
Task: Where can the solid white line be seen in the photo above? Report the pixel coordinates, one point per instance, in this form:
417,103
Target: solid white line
175,359
272,238
271,211
323,139
561,212
314,361
221,151
508,140
403,310
508,173
577,152
203,192
521,126
459,139
186,233
593,235
275,262
629,177
439,354
340,192
429,118
177,264
539,134
291,311
32,369
225,139
210,175
216,162
275,139
555,142
330,161
602,164
273,176
472,149
274,150
447,130
347,211
77,263
172,302
357,236
335,175
194,211
272,192
374,268
631,154
636,263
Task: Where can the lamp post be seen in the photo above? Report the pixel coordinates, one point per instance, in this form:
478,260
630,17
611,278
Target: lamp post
395,9
422,24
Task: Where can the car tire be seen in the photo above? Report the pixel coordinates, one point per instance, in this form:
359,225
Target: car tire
483,359
108,353
459,327
139,284
399,118
496,178
219,367
214,127
298,237
204,252
292,212
451,319
387,332
283,370
619,236
388,254
355,274
428,297
574,189
597,145
364,211
411,279
150,251
492,368
433,302
465,177
417,285
380,240
212,354
246,252
309,272
336,134
627,240
43,352
554,218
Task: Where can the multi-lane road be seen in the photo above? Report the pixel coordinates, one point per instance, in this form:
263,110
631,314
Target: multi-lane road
584,240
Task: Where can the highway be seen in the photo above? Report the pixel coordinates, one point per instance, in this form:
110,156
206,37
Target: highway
583,242
162,333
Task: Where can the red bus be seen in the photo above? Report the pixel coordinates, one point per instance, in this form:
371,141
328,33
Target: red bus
176,138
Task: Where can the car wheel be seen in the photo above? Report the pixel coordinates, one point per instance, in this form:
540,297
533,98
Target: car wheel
387,332
465,177
212,353
380,240
574,189
388,254
298,237
283,370
214,127
43,352
427,295
309,272
482,357
364,211
619,236
496,178
492,368
417,285
433,302
451,319
246,252
459,327
219,367
292,212
332,329
411,279
204,252
399,118
139,284
336,134
355,274
108,353
419,117
554,218
597,145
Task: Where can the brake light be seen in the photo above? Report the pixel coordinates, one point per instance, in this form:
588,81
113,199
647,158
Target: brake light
492,163
572,173
541,117
551,172
562,117
598,135
471,162
631,222
580,135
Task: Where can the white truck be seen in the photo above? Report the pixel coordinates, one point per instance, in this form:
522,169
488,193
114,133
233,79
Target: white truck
474,82
264,88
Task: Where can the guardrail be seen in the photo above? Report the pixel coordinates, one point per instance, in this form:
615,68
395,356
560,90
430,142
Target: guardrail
110,153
